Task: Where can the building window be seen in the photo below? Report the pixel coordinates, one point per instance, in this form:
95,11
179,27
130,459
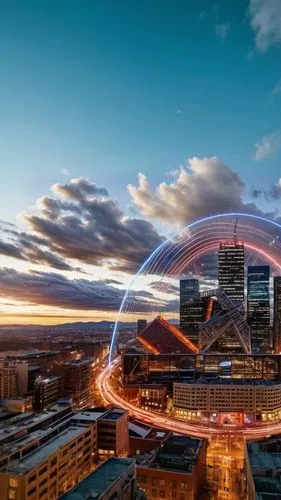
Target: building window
154,481
153,493
162,493
162,482
13,482
12,494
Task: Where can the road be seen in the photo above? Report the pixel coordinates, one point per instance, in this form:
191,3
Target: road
110,396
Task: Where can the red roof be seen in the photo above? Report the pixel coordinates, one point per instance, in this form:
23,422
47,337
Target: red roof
160,337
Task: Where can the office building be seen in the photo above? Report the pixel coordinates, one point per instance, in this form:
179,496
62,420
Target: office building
53,461
231,269
191,316
77,381
8,380
177,470
189,290
114,478
113,433
258,307
46,392
142,324
228,401
262,467
277,314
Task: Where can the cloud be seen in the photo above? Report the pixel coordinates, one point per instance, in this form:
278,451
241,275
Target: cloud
273,193
221,30
83,223
265,20
206,186
55,290
268,146
164,287
277,88
64,171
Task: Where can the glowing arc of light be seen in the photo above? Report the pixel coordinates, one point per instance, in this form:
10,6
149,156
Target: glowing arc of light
166,242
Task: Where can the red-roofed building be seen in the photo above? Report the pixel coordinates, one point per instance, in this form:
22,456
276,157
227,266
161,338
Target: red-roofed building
160,337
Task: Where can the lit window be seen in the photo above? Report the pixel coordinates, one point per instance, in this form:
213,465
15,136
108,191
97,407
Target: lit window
13,482
12,494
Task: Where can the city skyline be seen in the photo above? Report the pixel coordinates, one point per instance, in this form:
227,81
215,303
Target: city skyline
108,141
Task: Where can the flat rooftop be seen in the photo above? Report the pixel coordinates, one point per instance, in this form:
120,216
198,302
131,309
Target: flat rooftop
99,480
114,414
264,454
34,459
87,416
229,381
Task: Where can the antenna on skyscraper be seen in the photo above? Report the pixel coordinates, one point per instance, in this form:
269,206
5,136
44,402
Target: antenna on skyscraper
235,230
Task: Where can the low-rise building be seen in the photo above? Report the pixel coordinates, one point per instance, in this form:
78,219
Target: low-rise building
228,401
144,438
114,478
177,470
57,458
153,397
113,433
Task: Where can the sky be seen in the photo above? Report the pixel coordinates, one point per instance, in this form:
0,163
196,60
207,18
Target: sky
110,113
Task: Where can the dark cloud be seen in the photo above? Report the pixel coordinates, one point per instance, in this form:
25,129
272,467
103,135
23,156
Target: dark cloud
271,194
164,287
50,289
90,227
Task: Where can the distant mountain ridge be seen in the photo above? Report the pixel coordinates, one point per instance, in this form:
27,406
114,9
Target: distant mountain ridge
78,325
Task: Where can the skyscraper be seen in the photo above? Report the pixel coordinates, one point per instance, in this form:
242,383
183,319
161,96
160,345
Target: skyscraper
231,269
191,308
258,307
277,314
189,289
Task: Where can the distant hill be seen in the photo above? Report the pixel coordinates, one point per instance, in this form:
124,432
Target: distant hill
78,325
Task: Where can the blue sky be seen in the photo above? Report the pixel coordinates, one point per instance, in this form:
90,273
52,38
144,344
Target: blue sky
104,90
108,89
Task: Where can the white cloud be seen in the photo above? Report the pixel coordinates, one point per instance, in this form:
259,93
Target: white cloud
268,146
221,30
64,171
265,20
205,186
277,88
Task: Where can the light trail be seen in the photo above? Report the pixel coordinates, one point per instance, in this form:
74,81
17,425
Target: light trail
185,246
110,396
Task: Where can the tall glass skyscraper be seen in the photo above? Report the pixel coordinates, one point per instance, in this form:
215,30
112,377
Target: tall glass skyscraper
231,269
277,314
191,308
258,306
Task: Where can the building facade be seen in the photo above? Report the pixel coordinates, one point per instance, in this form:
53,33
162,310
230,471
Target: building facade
113,433
46,392
277,314
228,401
54,463
176,471
231,269
258,307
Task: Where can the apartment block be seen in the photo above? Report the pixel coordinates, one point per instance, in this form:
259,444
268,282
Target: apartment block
56,459
113,433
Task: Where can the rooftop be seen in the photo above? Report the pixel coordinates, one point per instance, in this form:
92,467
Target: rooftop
79,362
265,461
229,381
87,416
40,455
114,414
99,480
